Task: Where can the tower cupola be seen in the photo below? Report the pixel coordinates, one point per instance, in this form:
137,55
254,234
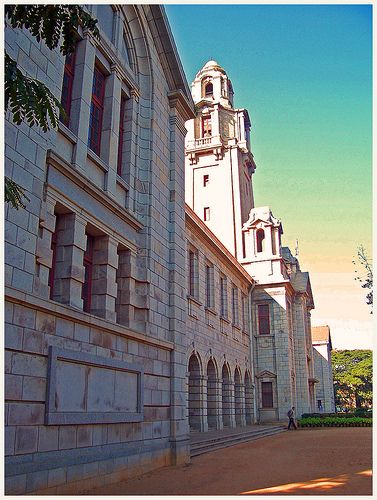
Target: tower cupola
212,84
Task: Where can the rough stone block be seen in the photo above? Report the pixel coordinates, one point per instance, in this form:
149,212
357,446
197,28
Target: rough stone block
56,477
13,387
34,389
36,481
26,414
24,316
26,440
13,337
67,437
48,438
84,436
33,341
45,323
9,437
15,485
64,328
81,332
28,364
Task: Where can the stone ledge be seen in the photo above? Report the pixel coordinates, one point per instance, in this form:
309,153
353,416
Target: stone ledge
75,315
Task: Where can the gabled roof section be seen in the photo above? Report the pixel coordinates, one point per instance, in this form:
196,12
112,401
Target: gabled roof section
168,54
301,283
266,373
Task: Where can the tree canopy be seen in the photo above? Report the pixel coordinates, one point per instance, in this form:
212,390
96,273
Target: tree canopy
352,372
28,99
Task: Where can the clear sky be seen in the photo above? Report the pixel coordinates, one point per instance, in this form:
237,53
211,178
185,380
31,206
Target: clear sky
304,73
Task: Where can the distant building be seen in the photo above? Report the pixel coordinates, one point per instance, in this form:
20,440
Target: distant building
321,339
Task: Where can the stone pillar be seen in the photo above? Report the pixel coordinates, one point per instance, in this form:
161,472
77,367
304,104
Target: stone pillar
240,401
110,128
104,286
214,419
44,255
301,366
69,270
180,112
82,97
132,294
204,405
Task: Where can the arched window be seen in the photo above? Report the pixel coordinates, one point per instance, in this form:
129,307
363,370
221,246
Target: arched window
208,90
260,240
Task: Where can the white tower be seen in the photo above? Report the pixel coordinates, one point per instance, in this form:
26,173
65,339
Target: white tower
219,162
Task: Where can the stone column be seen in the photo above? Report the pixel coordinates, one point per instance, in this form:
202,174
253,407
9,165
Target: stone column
104,286
216,123
241,402
204,404
132,294
110,128
180,111
82,97
301,366
69,271
44,255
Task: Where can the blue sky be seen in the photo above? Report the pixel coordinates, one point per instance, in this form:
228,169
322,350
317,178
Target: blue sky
304,73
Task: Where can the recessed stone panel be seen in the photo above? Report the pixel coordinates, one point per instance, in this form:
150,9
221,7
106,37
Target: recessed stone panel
88,389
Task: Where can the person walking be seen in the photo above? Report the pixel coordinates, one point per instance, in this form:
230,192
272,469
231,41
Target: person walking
291,416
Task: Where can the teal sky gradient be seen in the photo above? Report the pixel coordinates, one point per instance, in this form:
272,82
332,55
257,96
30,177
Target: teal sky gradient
304,73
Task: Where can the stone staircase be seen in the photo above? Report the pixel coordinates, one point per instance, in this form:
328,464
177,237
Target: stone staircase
204,442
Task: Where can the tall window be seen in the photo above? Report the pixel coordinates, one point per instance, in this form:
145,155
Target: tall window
235,318
207,214
206,126
96,111
209,286
264,319
245,321
51,276
260,240
193,273
121,135
69,73
267,395
88,267
205,180
223,297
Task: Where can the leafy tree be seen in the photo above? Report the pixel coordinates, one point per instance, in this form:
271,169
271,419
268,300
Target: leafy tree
352,372
28,99
366,277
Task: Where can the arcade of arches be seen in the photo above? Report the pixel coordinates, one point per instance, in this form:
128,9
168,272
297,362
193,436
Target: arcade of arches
218,398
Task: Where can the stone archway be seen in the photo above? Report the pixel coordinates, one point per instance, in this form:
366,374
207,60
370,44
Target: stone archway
226,397
248,400
238,398
195,403
212,396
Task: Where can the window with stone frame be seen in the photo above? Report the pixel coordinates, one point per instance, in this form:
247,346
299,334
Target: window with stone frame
206,214
96,111
210,287
260,240
223,297
267,395
245,310
264,319
193,273
206,126
121,135
54,240
235,313
88,273
208,89
68,77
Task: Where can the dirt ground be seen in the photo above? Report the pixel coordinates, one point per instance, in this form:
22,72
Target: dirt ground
326,461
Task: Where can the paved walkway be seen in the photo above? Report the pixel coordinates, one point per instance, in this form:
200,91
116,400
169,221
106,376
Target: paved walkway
326,461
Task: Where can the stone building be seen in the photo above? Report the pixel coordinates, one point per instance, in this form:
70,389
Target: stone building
322,348
131,317
95,341
219,189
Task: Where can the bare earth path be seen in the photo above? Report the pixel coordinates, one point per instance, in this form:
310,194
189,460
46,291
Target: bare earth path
328,461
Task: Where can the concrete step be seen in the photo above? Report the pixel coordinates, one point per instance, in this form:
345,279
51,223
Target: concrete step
218,442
